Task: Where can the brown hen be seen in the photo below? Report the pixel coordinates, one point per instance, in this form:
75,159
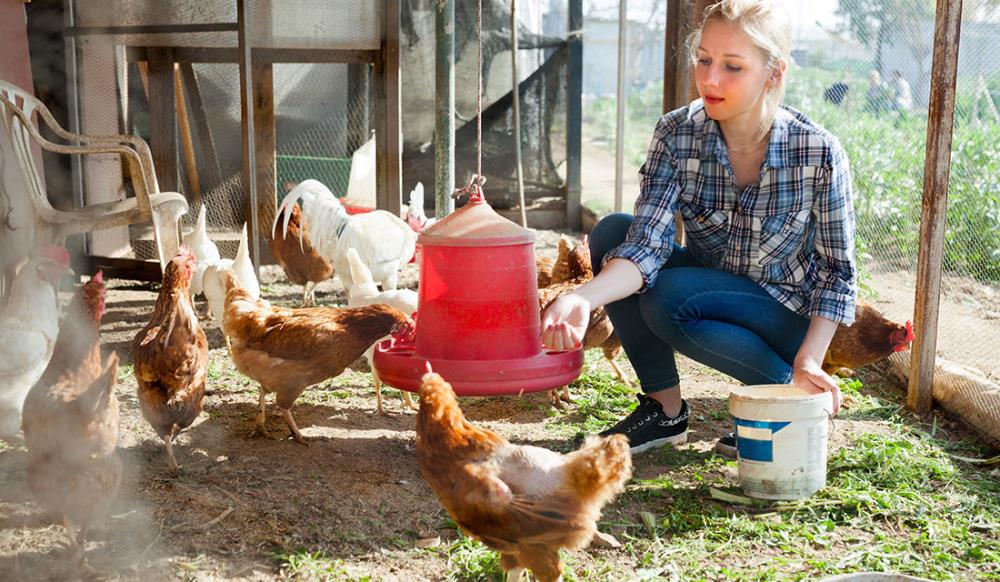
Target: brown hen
170,356
70,422
523,501
295,253
870,339
288,350
573,269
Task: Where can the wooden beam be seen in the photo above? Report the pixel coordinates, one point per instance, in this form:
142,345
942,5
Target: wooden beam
937,170
150,29
162,118
675,61
247,125
574,117
697,15
358,97
264,144
262,54
187,141
388,142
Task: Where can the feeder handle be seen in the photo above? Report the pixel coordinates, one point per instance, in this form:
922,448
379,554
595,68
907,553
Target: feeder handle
474,189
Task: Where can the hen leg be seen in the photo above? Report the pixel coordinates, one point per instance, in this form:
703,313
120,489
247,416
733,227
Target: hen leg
378,394
75,546
619,371
308,294
564,396
287,415
259,429
555,400
543,562
510,565
409,401
169,442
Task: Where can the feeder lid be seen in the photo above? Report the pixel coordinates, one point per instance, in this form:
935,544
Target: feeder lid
475,225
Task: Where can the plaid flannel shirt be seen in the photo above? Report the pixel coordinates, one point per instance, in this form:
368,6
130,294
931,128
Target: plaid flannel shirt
792,233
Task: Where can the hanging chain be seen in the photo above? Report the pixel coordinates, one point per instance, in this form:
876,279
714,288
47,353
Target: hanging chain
475,187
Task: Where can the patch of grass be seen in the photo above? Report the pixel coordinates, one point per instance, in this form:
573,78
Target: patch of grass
601,401
308,566
470,560
125,371
892,503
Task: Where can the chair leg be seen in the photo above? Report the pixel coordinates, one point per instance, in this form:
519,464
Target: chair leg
166,228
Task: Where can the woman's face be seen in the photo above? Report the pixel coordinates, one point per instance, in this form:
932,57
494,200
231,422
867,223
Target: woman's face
731,73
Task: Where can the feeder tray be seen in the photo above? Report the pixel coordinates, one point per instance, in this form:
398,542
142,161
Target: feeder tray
478,316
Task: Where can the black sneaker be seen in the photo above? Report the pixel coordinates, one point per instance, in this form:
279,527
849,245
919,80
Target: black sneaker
648,427
726,446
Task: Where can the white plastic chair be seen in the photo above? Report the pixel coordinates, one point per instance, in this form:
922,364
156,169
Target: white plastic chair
51,225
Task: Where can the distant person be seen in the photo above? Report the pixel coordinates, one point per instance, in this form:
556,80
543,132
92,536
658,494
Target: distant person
877,98
836,93
902,97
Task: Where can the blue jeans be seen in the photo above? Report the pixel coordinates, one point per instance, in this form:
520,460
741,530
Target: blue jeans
722,320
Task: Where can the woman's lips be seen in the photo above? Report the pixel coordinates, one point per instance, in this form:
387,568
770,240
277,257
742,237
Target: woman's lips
713,100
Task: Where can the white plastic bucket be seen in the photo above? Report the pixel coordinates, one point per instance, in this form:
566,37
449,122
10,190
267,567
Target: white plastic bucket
781,433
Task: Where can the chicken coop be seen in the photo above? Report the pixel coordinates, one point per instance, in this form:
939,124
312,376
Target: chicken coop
325,80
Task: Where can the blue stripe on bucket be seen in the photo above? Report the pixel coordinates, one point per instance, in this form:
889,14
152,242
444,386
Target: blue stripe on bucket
757,449
774,426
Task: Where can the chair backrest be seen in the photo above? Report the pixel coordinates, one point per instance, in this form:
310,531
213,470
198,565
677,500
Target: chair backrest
17,105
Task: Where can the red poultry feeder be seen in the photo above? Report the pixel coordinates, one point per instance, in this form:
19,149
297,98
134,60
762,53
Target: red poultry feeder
478,322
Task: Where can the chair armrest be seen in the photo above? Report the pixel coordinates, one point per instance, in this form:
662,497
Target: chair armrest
136,167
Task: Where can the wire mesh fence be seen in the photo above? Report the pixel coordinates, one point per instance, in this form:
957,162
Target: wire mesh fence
861,68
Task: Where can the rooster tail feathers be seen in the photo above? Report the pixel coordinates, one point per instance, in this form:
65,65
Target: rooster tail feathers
310,192
417,200
599,469
102,389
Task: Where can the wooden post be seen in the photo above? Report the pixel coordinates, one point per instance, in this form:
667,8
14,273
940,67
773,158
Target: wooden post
574,117
388,142
247,118
697,15
675,68
162,118
444,108
358,90
265,149
937,169
211,172
187,141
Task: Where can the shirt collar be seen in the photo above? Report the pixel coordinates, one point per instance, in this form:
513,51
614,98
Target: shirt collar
713,147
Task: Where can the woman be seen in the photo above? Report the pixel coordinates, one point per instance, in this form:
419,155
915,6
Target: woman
768,272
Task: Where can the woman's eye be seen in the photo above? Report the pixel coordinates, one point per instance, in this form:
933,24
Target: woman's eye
705,62
733,68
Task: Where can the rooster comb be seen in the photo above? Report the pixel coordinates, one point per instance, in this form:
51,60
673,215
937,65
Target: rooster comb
57,253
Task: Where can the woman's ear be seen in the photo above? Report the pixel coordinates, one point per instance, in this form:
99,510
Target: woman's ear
777,74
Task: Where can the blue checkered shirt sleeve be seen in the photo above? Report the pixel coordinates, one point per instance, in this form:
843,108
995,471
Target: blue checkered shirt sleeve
650,238
836,288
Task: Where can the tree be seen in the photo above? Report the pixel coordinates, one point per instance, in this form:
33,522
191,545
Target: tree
874,23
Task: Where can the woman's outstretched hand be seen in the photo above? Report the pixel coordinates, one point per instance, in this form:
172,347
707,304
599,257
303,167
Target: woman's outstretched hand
565,322
809,374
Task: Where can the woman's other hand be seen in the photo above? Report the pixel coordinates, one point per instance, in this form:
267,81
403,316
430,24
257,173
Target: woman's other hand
565,322
809,374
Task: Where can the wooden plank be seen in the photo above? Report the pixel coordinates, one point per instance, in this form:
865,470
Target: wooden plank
151,29
574,117
187,142
265,144
933,215
388,164
262,54
115,268
247,130
162,118
205,147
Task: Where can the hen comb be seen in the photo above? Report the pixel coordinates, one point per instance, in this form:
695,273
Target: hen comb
909,331
98,277
185,251
58,254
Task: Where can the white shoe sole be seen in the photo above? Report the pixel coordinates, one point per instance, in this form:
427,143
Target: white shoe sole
674,440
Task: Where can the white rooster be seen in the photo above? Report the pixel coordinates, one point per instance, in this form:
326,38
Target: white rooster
205,251
214,282
364,292
29,325
383,241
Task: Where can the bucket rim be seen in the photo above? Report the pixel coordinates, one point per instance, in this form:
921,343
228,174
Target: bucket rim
754,393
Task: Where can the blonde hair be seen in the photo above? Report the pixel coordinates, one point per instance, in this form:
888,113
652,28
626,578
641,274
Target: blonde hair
768,30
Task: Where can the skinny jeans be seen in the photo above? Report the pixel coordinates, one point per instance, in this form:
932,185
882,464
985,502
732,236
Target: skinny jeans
722,320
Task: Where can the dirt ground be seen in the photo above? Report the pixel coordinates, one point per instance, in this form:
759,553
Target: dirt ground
239,502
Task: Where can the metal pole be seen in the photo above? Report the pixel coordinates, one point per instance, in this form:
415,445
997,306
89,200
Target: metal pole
574,116
73,111
444,108
620,123
516,99
937,169
246,102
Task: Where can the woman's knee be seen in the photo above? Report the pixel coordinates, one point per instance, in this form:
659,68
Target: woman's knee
608,234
